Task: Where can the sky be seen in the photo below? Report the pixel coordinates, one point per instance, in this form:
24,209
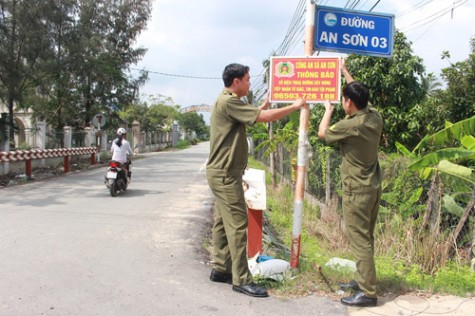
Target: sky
190,42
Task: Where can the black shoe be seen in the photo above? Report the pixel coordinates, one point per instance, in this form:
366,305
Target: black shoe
221,277
251,289
359,300
352,285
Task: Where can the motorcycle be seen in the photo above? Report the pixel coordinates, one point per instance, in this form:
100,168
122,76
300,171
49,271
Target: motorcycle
117,177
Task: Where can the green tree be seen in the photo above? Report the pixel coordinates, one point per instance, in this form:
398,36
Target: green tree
194,122
452,174
52,98
430,85
71,59
103,52
155,117
162,116
395,86
22,50
136,111
459,97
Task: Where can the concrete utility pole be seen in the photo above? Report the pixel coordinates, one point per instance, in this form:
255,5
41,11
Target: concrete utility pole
302,155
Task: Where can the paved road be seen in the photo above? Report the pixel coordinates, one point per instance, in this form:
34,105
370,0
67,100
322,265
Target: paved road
68,248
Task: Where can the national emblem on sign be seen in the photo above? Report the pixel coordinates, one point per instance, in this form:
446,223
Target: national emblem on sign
284,69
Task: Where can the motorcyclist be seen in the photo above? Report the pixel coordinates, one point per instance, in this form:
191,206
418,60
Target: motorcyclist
120,149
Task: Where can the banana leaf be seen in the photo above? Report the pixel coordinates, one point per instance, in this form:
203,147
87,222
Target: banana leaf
451,131
433,158
468,142
457,171
451,206
403,150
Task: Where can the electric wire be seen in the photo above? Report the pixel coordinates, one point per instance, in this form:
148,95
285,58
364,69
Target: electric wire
418,5
354,4
291,30
175,75
427,29
433,17
296,30
292,38
364,3
297,27
289,33
374,6
289,38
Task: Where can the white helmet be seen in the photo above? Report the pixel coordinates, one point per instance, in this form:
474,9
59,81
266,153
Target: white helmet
121,131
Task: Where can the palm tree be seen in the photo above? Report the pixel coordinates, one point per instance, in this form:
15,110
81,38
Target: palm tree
430,84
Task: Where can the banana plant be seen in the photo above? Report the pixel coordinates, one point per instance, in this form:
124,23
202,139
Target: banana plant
269,142
445,161
454,166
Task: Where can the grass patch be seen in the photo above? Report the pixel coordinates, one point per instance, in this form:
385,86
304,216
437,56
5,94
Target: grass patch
183,144
323,237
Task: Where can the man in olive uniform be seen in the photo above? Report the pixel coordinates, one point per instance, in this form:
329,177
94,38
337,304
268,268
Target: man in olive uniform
225,167
358,135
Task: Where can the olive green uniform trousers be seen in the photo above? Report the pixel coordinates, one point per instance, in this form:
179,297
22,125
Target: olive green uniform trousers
360,211
230,228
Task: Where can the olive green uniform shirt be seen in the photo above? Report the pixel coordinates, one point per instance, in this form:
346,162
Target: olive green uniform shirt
359,136
228,143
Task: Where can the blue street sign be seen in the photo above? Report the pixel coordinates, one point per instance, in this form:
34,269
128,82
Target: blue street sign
354,32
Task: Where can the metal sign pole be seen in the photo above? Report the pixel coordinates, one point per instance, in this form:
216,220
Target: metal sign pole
302,155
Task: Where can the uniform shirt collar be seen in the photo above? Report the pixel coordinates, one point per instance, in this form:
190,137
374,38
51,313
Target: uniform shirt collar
359,112
226,91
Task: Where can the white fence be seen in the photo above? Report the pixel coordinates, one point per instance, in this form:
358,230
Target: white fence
141,141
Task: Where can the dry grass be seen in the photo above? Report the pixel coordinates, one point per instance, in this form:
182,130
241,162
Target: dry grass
328,229
404,241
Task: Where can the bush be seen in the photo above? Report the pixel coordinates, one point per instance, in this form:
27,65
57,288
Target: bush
407,256
182,144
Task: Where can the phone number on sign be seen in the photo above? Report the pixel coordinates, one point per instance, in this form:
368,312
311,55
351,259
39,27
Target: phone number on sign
292,96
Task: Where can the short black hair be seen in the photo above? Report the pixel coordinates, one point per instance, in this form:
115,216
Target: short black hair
233,71
358,93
